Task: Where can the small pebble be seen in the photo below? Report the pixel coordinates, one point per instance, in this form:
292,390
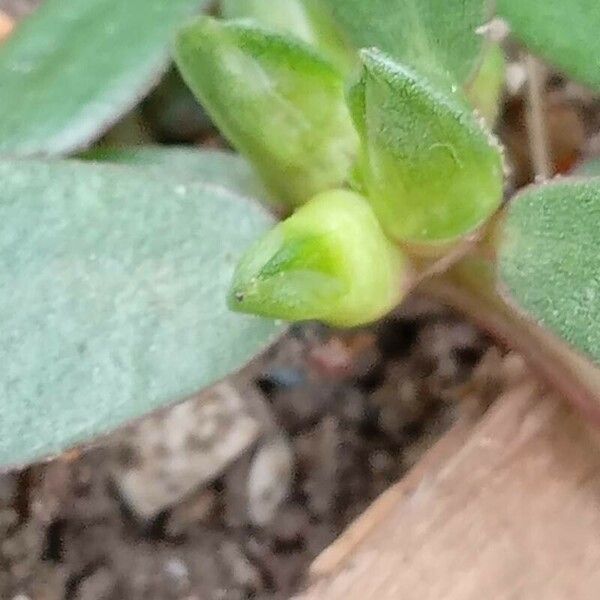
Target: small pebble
269,479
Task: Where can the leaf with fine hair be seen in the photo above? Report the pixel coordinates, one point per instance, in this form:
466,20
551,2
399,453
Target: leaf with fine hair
74,67
185,164
436,37
548,259
565,33
112,303
430,169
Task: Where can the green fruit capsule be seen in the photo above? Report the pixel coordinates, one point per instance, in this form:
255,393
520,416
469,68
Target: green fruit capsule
429,168
329,261
304,19
277,101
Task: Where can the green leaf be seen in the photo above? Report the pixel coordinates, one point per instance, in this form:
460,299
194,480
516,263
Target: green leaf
329,261
429,168
305,19
435,37
549,259
187,165
563,32
76,66
113,304
589,168
485,91
277,101
284,16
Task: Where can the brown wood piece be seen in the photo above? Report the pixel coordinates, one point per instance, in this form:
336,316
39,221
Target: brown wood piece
507,507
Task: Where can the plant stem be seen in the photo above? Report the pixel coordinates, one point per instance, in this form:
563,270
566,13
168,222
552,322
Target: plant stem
470,287
536,119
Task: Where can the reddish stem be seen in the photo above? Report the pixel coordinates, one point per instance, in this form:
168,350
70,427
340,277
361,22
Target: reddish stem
470,287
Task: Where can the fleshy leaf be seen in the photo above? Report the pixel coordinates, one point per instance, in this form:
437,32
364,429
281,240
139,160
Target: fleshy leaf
430,169
329,261
74,67
563,32
112,304
305,19
485,91
186,164
436,37
549,259
276,100
285,16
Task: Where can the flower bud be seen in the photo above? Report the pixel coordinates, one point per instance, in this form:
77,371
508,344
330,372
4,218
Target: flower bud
277,101
430,170
329,261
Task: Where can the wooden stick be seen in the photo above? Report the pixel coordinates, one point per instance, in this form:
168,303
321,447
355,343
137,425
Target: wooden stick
508,509
536,119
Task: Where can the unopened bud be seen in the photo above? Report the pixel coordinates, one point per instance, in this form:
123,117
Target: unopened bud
329,261
277,101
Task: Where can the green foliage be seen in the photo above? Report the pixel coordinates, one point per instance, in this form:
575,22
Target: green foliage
112,303
436,37
564,32
185,164
590,168
115,268
304,19
76,66
428,167
285,16
329,261
485,91
276,100
549,259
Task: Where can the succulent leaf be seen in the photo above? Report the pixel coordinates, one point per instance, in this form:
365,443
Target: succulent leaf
430,169
305,19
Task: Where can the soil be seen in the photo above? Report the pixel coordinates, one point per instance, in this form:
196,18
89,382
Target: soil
356,409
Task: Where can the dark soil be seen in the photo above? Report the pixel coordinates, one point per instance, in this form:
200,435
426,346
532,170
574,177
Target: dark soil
357,410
